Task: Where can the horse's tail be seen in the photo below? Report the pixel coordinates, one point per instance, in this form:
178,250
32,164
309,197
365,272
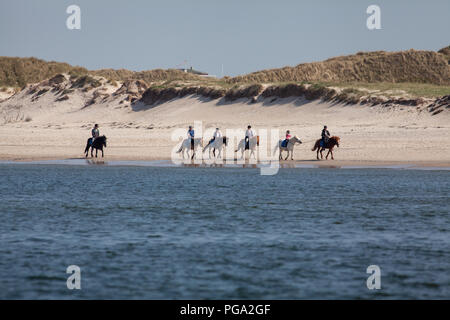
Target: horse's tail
241,145
87,146
316,145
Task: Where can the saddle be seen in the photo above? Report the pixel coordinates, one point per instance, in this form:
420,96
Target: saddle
322,143
284,143
247,142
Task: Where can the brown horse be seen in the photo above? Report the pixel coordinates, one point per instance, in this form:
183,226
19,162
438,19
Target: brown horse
333,141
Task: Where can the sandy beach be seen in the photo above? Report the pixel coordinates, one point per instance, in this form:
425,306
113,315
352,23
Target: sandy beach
370,135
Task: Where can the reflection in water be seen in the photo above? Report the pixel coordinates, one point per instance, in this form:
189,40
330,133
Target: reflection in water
328,167
96,162
228,163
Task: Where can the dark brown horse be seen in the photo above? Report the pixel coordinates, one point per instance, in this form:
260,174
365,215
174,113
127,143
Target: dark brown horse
333,141
98,145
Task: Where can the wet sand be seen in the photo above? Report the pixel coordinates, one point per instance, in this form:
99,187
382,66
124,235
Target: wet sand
236,163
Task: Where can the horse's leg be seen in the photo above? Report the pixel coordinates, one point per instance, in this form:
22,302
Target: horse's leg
102,152
331,150
321,154
96,153
287,156
292,154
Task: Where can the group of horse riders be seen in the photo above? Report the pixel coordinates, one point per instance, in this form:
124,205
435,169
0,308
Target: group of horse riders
249,133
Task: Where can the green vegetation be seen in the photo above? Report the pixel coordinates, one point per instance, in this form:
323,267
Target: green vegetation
87,82
391,67
391,74
18,72
67,91
395,89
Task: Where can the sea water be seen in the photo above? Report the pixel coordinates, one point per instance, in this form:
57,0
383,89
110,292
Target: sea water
222,233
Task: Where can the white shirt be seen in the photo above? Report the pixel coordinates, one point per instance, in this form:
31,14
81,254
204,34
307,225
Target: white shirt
217,134
249,133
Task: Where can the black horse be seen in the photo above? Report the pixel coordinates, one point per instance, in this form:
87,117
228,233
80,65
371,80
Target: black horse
98,144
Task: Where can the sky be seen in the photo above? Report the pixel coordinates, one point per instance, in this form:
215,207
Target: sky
229,37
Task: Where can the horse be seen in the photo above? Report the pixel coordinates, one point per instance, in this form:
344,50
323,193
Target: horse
289,148
97,144
218,144
186,145
333,141
252,143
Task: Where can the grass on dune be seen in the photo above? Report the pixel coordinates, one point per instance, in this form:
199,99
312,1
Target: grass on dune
397,89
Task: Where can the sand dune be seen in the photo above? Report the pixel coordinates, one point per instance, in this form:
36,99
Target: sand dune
41,127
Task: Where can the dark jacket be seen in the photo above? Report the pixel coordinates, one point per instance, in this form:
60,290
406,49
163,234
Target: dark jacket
325,135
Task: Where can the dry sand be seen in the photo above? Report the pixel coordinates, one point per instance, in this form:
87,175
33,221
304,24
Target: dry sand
369,135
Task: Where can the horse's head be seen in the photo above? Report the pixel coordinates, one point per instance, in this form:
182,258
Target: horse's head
297,139
103,140
336,140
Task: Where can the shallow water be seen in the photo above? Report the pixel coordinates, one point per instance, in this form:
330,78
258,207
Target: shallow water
194,233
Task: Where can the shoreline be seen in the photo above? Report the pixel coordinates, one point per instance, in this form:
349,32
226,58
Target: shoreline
370,136
165,162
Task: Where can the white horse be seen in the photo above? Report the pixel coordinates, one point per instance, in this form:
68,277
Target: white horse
217,144
289,148
252,143
186,146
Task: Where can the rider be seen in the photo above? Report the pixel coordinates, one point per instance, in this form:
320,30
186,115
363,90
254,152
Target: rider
217,134
248,135
325,135
95,133
288,136
190,135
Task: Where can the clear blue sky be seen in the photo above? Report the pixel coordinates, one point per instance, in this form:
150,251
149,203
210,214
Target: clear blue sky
243,35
